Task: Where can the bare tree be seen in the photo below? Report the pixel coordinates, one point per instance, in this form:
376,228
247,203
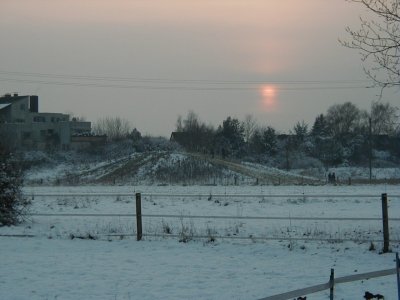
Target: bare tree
74,117
343,121
384,118
115,128
192,122
249,126
300,129
378,40
178,124
195,135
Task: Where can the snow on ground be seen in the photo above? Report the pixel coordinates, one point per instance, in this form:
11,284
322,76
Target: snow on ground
47,175
127,269
56,264
357,172
276,172
88,169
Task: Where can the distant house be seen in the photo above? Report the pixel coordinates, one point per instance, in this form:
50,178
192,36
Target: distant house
188,140
24,127
182,138
85,140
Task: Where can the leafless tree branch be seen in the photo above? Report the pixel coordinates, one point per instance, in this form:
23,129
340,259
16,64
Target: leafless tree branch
378,41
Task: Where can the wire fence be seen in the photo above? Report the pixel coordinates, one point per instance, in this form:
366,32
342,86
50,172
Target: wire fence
147,217
182,216
291,235
206,196
335,281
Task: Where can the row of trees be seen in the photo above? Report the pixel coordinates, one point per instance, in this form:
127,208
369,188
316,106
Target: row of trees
344,133
116,129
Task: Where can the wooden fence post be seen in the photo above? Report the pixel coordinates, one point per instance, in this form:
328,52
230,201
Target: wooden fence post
332,284
398,274
138,216
385,220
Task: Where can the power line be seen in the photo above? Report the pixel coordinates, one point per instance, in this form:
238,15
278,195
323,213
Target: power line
175,84
187,88
169,80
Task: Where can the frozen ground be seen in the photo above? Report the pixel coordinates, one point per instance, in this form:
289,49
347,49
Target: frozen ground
161,167
40,268
53,265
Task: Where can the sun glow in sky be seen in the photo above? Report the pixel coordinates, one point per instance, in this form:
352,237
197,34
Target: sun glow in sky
202,55
269,98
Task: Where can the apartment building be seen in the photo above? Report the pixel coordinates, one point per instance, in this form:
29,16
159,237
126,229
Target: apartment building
24,127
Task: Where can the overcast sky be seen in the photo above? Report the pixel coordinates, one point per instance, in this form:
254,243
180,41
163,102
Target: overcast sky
151,60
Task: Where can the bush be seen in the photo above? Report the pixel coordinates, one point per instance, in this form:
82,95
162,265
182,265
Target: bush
12,204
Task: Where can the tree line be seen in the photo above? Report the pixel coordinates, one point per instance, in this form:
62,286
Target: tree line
344,134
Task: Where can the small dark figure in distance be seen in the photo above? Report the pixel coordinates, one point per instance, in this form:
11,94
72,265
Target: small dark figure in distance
302,298
329,177
369,296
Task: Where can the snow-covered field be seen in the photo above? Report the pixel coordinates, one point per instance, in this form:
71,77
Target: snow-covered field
162,167
58,264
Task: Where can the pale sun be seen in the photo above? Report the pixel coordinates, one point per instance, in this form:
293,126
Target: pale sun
269,97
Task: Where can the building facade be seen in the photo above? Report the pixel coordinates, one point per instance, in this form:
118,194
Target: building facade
24,127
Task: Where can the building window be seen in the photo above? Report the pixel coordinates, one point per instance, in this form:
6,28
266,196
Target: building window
39,119
26,135
22,107
43,133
